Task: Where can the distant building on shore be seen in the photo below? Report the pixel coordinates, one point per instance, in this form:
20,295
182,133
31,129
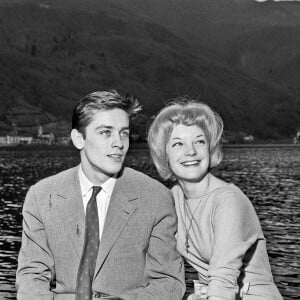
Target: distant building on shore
296,138
248,138
45,137
14,137
232,137
11,140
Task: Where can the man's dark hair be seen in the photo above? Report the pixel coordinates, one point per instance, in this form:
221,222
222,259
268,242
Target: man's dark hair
102,100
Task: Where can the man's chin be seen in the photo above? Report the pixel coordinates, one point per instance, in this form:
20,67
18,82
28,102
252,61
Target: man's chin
113,172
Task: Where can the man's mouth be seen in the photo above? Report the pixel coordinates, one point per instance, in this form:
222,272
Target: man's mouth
115,156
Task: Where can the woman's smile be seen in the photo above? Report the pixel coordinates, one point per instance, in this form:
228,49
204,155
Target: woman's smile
191,163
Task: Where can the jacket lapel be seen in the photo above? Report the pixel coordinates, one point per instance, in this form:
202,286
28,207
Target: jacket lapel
71,209
122,205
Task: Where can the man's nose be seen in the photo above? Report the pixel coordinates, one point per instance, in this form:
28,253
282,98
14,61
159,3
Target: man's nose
117,141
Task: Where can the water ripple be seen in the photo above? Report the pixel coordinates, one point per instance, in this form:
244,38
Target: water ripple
270,177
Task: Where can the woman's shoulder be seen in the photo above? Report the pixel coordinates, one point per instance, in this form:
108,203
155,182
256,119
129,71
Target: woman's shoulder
227,192
232,199
232,206
217,186
219,192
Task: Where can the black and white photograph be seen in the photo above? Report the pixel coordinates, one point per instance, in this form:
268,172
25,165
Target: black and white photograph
149,149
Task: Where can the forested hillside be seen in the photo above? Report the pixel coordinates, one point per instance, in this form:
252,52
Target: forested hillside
54,52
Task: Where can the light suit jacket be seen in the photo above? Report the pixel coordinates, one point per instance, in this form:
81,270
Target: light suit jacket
137,257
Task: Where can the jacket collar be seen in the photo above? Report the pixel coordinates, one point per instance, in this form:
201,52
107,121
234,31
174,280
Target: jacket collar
122,205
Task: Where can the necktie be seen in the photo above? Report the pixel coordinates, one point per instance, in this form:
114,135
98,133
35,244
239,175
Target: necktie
90,250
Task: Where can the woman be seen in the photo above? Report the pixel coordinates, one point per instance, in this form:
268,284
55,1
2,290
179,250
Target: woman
219,233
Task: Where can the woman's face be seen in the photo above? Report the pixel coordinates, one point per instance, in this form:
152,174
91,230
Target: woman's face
188,153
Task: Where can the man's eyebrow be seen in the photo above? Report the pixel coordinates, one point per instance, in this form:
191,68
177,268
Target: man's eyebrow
104,126
110,127
125,128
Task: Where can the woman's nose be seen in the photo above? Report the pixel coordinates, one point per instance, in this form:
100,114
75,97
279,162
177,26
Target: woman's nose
190,150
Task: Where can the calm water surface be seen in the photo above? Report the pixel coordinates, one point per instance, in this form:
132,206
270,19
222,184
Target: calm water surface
269,176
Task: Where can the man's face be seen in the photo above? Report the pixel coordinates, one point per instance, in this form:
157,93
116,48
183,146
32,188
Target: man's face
104,147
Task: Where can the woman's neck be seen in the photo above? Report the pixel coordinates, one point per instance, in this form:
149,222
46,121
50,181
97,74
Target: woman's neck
196,189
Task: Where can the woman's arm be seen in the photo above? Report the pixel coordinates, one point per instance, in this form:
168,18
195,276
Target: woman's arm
236,228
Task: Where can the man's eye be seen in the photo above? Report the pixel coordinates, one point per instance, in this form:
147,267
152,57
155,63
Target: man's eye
125,133
105,132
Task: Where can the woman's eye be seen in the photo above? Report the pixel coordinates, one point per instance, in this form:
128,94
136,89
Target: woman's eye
201,142
177,144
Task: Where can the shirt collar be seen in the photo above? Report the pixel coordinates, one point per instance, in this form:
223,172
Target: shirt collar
86,185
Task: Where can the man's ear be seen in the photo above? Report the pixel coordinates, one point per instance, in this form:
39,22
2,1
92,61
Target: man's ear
77,139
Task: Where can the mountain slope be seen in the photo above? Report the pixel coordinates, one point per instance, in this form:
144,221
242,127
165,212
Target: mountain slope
55,54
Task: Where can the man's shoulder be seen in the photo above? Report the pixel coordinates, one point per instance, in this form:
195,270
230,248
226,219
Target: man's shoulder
56,179
151,193
142,181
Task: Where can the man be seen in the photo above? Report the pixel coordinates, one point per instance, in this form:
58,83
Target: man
99,230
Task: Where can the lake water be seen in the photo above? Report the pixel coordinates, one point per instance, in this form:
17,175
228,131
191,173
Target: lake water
270,177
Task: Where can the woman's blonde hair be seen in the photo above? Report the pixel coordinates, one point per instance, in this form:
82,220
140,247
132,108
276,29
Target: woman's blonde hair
186,112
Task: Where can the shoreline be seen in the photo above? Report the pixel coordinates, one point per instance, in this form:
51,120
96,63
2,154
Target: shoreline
138,146
143,145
